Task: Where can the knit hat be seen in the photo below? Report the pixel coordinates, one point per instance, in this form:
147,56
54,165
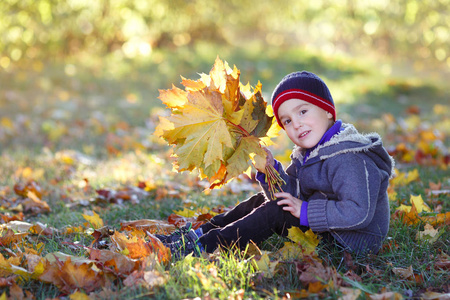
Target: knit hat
305,86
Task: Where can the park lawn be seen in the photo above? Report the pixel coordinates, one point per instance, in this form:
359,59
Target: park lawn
78,131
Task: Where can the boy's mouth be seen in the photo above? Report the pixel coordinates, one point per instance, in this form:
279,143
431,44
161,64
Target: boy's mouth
303,134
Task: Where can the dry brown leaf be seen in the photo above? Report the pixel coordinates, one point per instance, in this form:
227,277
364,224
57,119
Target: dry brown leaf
35,205
9,237
435,296
7,281
404,273
386,296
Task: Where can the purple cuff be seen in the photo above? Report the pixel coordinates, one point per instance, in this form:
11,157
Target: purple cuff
261,177
304,214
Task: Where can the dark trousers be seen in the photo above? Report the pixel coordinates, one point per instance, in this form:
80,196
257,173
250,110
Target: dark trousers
254,219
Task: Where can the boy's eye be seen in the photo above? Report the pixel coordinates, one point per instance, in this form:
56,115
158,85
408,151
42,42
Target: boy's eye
286,122
302,112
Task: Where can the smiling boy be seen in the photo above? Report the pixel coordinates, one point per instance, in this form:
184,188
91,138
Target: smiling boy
336,183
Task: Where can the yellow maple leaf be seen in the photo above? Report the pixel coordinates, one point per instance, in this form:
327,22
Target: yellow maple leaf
266,266
419,204
94,220
403,178
307,240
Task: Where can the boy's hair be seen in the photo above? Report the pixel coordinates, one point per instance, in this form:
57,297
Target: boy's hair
304,86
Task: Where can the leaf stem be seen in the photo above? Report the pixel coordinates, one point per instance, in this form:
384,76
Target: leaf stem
239,127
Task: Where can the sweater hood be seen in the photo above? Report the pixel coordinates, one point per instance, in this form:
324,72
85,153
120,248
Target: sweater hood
349,140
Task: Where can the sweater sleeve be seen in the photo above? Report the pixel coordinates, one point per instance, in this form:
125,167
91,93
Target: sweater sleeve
355,183
304,214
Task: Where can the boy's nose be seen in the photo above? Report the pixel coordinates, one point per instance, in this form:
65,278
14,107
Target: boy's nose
297,124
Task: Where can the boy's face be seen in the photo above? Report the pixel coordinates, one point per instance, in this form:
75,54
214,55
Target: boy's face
305,123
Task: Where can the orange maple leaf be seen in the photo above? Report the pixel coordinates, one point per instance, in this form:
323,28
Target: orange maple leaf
120,264
68,276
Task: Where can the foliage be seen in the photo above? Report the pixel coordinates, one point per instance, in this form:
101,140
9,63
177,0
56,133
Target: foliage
129,28
217,125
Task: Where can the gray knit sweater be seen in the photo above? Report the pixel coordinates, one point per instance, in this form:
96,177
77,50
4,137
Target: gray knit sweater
345,182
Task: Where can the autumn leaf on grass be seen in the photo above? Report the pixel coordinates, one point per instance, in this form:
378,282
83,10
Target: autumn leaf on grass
69,276
95,220
132,246
148,279
136,247
120,264
8,237
38,228
157,247
265,265
34,266
304,243
317,276
217,125
414,213
408,274
429,234
418,202
152,226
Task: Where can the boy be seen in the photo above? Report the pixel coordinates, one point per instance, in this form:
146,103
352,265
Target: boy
336,183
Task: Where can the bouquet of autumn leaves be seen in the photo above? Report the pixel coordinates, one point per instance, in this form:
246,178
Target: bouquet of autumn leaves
219,127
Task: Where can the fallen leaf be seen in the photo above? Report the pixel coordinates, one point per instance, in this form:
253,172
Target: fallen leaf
95,221
418,202
316,287
8,237
266,266
149,279
152,226
79,296
402,179
386,296
307,240
404,273
429,234
122,265
442,262
349,294
157,247
30,186
35,205
7,281
69,276
435,296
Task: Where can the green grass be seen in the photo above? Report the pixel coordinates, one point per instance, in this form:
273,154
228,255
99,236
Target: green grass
95,126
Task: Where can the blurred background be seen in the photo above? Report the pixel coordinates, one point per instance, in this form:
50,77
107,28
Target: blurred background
85,75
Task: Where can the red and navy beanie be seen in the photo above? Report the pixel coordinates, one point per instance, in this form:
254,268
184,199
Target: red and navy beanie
305,86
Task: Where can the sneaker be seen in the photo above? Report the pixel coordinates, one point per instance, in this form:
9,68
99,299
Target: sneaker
176,235
185,245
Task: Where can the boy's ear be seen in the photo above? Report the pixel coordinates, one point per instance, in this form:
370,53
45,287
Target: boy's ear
329,115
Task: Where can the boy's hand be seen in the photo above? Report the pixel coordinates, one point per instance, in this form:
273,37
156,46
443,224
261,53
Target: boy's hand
293,205
269,160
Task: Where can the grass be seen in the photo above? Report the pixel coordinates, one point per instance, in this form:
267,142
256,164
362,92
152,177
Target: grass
79,127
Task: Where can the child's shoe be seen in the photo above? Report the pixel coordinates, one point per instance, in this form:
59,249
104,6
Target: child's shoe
185,245
176,235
